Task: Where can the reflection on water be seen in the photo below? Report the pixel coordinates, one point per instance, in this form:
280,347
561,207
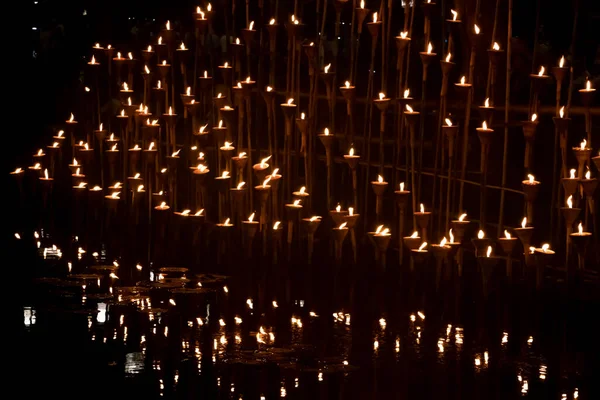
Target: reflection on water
264,333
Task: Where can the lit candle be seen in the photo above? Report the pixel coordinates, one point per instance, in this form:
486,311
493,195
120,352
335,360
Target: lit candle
301,193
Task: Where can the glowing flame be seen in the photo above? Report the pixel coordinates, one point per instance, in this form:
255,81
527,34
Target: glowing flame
182,46
226,65
454,15
326,69
226,223
531,179
240,185
580,228
115,195
40,152
476,29
206,75
496,46
429,48
480,234
168,25
381,96
409,108
170,110
533,117
463,80
570,201
347,84
302,190
46,173
130,56
251,217
314,218
507,234
374,17
137,176
572,172
77,172
351,151
251,26
225,174
343,225
379,178
119,55
123,113
484,126
583,144
242,154
164,62
524,222
561,112
362,4
263,162
422,246
97,45
338,208
149,48
209,7
60,133
326,132
199,212
451,236
378,230
266,182
290,101
542,70
415,235
443,242
72,119
402,186
545,248
237,40
422,208
269,89
296,203
302,116
140,188
404,34
350,211
588,85
272,21
489,252
561,63
93,60
448,57
406,93
588,174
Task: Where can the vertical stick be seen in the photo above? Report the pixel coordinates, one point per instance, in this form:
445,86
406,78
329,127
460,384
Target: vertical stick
506,110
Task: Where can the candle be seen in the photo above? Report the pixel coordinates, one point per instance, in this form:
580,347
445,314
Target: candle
301,194
162,206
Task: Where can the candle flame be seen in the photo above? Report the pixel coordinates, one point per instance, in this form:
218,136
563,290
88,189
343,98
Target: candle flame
266,181
242,154
561,112
226,223
199,212
93,60
448,57
119,54
347,84
524,222
484,126
18,171
77,171
130,56
237,40
114,147
496,46
227,145
588,174
72,119
451,236
269,89
168,25
240,185
362,4
454,14
290,101
588,85
276,225
343,225
414,235
338,208
375,17
462,217
302,116
379,178
476,29
443,242
251,26
531,179
140,188
351,211
422,208
225,174
296,203
314,218
489,252
429,48
422,246
545,247
60,133
409,108
378,230
164,62
480,234
201,167
82,185
326,69
302,190
115,195
583,144
40,152
542,70
46,173
404,34
572,172
251,217
97,45
272,21
580,228
402,186
326,131
570,201
209,7
381,96
561,63
170,110
263,162
137,176
507,234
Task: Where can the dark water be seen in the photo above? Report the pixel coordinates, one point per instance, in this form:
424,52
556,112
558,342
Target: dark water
242,328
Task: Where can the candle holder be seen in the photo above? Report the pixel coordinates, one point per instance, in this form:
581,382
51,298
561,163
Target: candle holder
171,121
381,242
583,155
327,140
485,139
542,259
422,218
338,216
402,199
508,244
529,130
538,81
240,164
562,126
440,252
486,266
249,227
570,215
524,233
570,184
379,187
349,94
580,241
419,255
530,189
289,112
486,112
587,98
481,245
263,194
311,225
450,132
351,220
292,212
412,118
339,234
352,161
